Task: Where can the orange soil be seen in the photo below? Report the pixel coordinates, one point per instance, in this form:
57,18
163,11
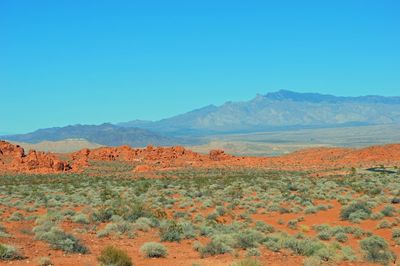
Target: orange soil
179,253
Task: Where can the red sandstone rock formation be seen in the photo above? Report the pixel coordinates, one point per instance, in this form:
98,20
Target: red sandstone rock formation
14,159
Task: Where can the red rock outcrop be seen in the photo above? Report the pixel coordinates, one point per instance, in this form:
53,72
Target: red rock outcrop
14,159
219,155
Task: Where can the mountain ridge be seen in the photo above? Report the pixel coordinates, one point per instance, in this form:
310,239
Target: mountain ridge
104,134
282,110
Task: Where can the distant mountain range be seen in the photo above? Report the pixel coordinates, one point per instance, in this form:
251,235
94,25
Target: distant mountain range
282,110
105,134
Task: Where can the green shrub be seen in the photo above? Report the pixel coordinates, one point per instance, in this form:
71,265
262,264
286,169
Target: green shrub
45,261
376,250
253,252
341,237
310,210
303,247
377,216
154,250
170,231
247,262
80,218
58,239
396,233
312,261
10,253
188,230
219,244
3,232
348,254
16,216
249,238
358,210
325,235
114,256
292,224
388,210
102,215
118,228
263,227
384,224
327,253
273,244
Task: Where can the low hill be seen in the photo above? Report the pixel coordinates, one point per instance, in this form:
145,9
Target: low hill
60,146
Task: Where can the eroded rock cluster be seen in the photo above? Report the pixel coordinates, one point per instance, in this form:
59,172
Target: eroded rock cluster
14,159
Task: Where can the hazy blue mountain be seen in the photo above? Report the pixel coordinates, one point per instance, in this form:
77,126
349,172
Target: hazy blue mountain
105,134
281,110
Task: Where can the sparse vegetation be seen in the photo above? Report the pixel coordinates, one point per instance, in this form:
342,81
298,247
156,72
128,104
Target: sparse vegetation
154,250
111,255
230,210
9,253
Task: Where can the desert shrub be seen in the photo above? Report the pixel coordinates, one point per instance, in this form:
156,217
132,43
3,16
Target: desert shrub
388,210
312,261
16,216
354,211
219,244
114,256
321,227
154,250
377,216
348,254
341,237
357,232
45,261
327,253
9,253
396,233
42,226
303,247
102,215
220,210
249,238
170,231
263,227
206,230
376,250
310,210
253,252
197,245
80,218
273,243
3,232
118,228
58,239
325,235
247,262
188,230
384,224
292,224
147,221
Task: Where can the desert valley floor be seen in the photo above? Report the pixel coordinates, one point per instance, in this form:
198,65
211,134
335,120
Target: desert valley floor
320,206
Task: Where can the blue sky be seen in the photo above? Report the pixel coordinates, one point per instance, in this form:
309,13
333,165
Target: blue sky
68,62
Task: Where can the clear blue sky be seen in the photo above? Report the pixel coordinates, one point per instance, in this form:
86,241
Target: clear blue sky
68,62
